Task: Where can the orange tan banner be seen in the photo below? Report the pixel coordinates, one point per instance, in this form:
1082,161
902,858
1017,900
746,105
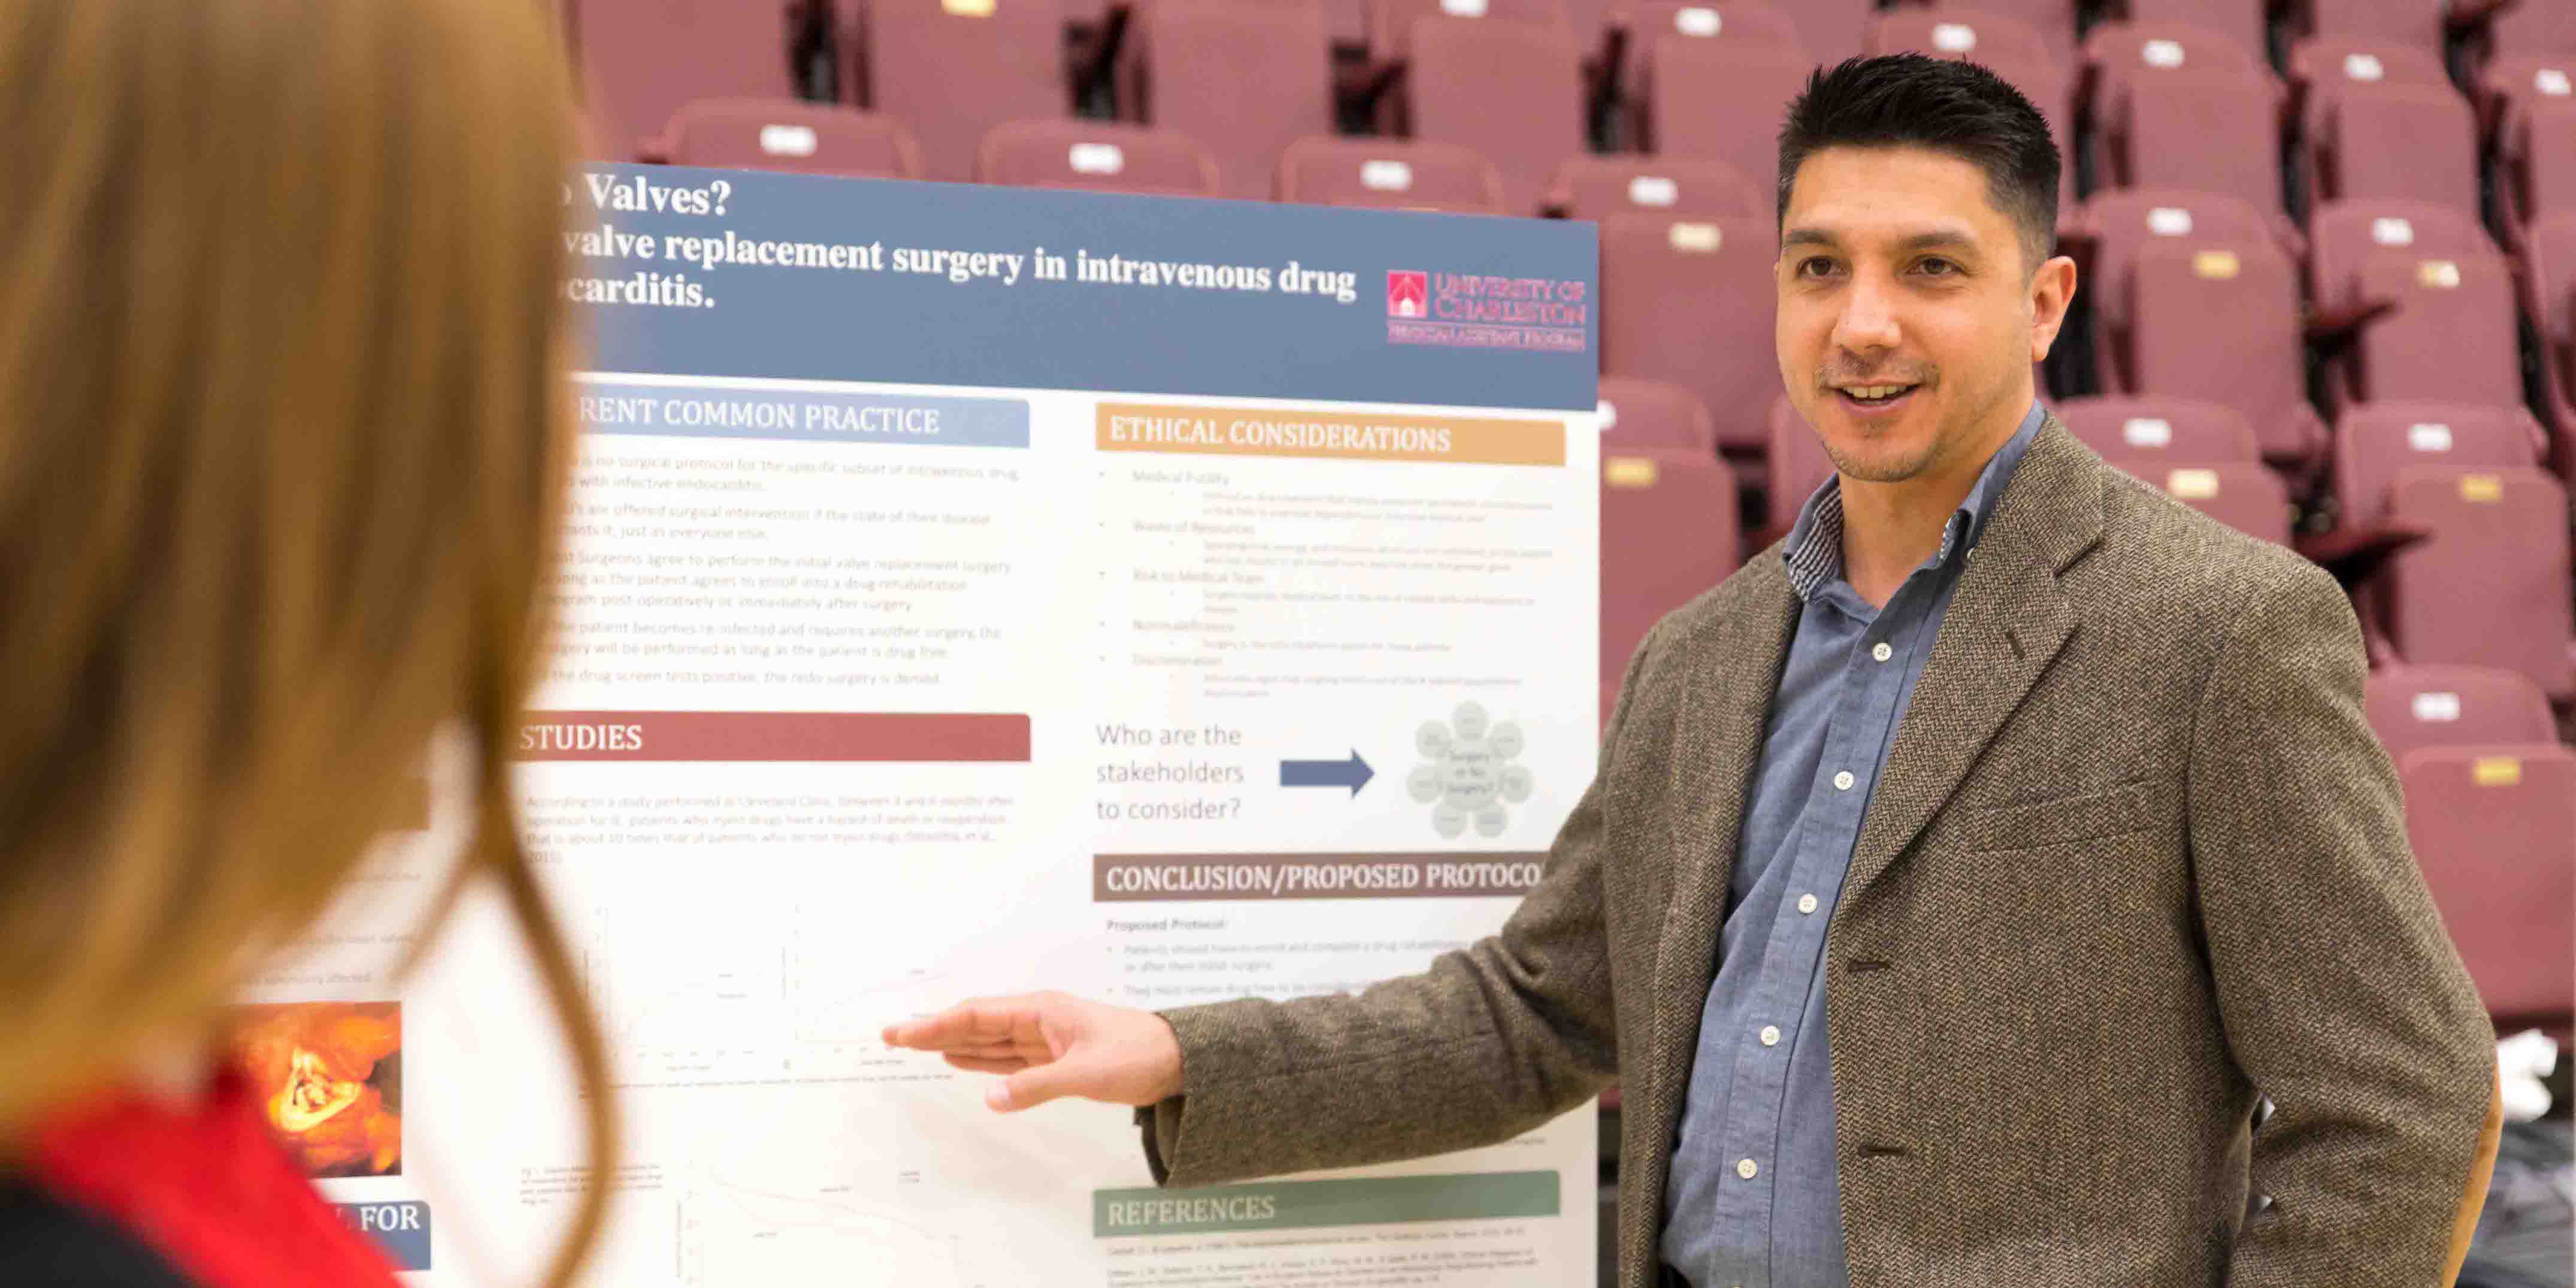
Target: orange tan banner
1249,431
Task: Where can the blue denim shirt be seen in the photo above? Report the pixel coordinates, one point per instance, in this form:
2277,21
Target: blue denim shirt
1754,1199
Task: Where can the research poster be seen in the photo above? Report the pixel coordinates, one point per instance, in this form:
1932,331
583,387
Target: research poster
972,591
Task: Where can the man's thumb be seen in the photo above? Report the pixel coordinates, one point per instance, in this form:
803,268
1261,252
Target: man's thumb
1034,1086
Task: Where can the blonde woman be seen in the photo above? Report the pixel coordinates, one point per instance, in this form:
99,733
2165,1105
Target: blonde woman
281,461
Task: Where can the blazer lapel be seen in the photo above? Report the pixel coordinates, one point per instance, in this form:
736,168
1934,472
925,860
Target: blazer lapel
1731,670
2006,623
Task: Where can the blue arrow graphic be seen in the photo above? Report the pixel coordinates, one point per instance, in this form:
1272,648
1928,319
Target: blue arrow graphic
1353,773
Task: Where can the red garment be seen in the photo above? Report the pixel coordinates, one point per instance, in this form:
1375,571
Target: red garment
205,1187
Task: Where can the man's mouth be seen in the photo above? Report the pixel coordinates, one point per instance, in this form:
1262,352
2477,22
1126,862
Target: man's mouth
1873,397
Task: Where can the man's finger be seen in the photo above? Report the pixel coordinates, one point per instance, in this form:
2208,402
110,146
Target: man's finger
983,1064
977,1022
1036,1085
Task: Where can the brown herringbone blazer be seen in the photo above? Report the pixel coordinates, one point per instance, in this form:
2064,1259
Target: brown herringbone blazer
2135,860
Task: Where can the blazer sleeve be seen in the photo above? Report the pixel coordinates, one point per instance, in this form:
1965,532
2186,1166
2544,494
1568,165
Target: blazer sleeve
2342,996
1490,1042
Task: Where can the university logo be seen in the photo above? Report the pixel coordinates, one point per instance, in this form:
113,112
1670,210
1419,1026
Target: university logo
1408,295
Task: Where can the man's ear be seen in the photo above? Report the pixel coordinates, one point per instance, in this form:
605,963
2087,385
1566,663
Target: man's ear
2052,292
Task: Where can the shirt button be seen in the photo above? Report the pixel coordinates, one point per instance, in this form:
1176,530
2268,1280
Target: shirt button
1746,1169
1770,1035
1881,651
1807,905
1843,781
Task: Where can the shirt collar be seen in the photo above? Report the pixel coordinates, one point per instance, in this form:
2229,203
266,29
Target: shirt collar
1814,551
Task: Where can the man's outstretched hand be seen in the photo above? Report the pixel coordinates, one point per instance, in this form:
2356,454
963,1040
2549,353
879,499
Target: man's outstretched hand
1052,1044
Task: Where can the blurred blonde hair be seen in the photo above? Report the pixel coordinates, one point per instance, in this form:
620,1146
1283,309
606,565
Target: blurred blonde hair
282,456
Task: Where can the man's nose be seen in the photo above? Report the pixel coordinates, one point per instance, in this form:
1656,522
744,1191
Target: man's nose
1868,319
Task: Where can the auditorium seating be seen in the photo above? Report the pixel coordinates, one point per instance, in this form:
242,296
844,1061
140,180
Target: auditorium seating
641,64
1187,65
2389,142
2007,46
1393,24
2534,27
1654,416
1103,156
2404,22
1512,91
2536,164
2241,494
1833,30
2161,432
2489,586
951,70
2548,281
2240,21
2221,321
1393,174
2200,131
2452,337
1719,100
1652,22
1590,187
2414,707
2322,67
2494,832
1668,533
1690,301
799,138
2115,224
2377,442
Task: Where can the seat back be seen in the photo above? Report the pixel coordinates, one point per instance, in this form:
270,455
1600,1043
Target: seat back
1654,416
2387,142
2204,131
1745,23
2489,587
2243,495
2454,337
1186,66
2323,66
2494,832
2009,47
952,70
798,138
2242,22
2343,236
1393,23
2221,322
1591,187
2122,55
2121,220
2414,707
1391,174
1690,302
1103,156
2149,433
1512,91
2376,442
641,63
1668,533
2534,27
2401,22
1716,100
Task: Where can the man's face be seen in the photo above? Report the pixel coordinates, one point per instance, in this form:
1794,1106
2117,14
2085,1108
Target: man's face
1908,318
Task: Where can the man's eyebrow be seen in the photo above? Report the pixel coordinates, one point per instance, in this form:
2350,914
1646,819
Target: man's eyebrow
1806,237
1929,239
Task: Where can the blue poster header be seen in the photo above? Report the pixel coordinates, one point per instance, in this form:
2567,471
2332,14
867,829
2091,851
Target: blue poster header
695,272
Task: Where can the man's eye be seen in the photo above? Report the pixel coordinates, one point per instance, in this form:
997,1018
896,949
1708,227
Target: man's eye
1816,266
1937,267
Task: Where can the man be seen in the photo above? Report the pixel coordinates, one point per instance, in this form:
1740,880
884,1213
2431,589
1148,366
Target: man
1957,875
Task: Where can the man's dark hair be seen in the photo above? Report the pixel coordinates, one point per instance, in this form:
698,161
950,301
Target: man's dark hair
1909,100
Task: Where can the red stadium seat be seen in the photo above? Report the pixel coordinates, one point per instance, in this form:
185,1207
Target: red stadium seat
2414,707
2119,56
641,63
2201,131
2322,67
1668,533
2489,587
1590,187
2157,433
2494,831
1795,466
2534,27
1392,23
2377,442
1653,22
2221,322
1103,156
2549,301
2537,163
2117,223
954,69
1833,30
1653,416
1187,66
1691,302
2511,81
2454,336
1719,100
2054,20
2342,236
2242,495
1389,174
1512,91
2403,22
2242,22
2389,142
799,138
